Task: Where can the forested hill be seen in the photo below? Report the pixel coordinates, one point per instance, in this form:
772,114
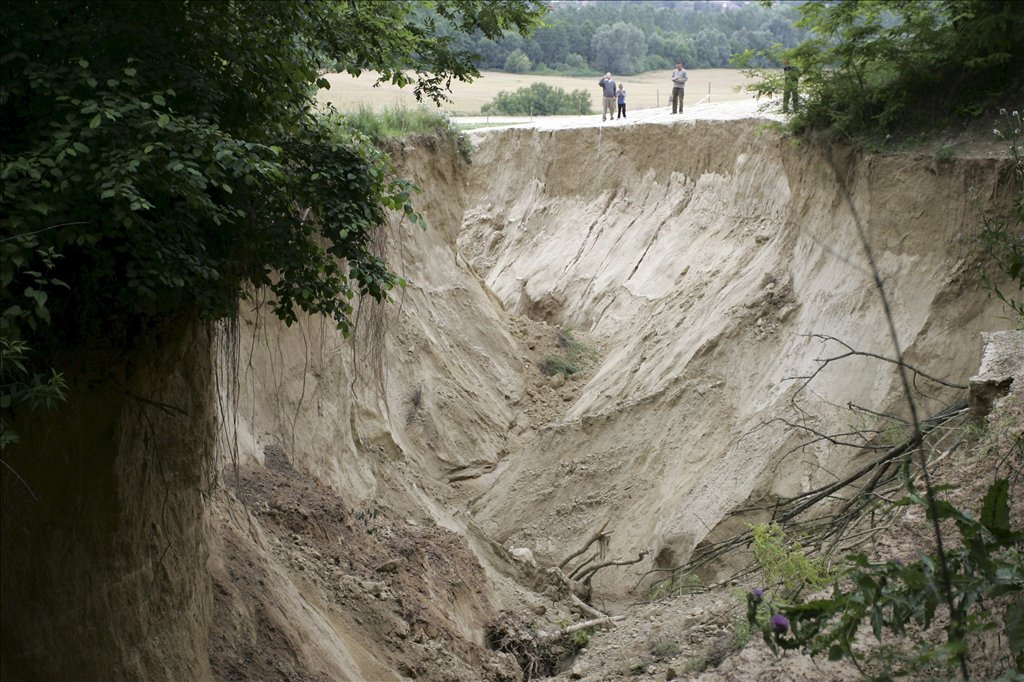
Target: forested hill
625,37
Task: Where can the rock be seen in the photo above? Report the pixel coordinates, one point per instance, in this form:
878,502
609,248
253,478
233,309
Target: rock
1002,360
524,555
557,380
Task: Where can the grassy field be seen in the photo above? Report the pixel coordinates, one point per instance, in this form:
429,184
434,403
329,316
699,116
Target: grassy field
643,91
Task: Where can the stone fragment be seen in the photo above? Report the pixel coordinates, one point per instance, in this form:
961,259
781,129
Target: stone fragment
1002,361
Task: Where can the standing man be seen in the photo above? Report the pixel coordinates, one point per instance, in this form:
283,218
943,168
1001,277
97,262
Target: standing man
608,86
679,78
791,77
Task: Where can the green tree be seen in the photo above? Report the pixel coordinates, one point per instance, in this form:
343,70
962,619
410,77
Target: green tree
517,62
888,65
164,159
619,48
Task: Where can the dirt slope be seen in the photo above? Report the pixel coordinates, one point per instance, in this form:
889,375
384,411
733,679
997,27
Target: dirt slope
692,259
701,257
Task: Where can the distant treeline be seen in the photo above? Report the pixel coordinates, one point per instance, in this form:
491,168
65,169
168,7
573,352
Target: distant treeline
631,37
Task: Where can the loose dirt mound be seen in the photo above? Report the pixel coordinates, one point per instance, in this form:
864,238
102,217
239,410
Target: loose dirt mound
306,588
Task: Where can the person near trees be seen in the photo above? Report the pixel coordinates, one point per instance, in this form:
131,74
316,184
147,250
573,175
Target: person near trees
791,76
621,94
679,78
608,89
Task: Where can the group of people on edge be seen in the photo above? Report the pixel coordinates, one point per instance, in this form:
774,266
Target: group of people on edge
679,77
613,94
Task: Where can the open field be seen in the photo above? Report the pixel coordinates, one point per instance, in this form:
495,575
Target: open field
644,91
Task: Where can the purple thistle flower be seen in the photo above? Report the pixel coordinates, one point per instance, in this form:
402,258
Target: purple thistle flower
758,594
780,624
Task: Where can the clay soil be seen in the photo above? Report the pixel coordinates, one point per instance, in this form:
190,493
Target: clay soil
394,581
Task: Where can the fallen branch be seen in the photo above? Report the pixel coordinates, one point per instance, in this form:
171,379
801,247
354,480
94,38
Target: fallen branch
587,575
587,608
851,352
607,621
599,535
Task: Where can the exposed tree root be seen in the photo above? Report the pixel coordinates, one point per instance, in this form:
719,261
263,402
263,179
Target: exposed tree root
538,651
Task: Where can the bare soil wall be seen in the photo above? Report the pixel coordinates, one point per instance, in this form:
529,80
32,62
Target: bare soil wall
105,521
702,257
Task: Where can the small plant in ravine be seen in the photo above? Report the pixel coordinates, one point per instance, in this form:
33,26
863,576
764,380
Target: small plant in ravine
783,561
400,121
987,569
579,639
574,357
944,153
664,648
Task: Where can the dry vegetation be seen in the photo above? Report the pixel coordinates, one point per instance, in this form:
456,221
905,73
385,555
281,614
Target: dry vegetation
644,90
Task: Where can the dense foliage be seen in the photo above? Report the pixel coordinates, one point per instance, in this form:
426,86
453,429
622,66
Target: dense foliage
163,159
539,99
627,37
894,597
889,65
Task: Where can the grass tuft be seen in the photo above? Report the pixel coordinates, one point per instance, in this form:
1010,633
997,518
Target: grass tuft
399,122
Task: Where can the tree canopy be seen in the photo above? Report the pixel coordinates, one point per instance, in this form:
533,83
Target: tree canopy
580,39
165,158
892,64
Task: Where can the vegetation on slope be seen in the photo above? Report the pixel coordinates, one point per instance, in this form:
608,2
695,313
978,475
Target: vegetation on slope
398,122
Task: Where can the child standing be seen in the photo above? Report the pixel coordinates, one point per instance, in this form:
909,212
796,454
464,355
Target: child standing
622,101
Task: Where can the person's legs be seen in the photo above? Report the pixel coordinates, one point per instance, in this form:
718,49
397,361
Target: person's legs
677,100
622,110
786,94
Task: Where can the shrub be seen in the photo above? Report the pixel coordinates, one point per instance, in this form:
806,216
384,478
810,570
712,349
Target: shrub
539,99
574,358
783,561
